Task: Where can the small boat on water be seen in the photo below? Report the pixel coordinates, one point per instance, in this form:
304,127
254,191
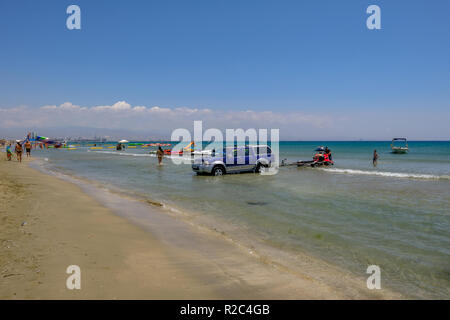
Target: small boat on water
401,146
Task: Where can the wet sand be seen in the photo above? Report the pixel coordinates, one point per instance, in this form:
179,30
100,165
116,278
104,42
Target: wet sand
127,249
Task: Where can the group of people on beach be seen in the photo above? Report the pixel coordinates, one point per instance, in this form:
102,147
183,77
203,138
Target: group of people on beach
18,150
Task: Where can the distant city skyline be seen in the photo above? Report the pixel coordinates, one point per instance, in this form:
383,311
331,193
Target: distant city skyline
312,69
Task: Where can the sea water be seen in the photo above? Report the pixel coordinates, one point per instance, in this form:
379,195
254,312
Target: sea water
352,215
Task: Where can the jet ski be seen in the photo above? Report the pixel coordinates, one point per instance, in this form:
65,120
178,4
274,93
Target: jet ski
320,158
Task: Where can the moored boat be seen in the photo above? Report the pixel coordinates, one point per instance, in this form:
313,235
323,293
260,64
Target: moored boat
403,148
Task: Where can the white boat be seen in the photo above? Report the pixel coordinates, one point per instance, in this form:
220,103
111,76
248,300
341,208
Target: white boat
202,152
403,148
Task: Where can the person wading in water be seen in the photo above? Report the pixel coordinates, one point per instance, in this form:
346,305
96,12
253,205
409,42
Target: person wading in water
160,154
28,148
375,158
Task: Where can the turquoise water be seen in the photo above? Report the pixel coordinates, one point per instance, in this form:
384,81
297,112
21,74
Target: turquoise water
352,215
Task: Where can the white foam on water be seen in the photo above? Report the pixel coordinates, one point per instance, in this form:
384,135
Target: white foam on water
388,174
153,155
126,153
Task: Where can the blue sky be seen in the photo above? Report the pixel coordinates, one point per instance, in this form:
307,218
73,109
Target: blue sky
311,57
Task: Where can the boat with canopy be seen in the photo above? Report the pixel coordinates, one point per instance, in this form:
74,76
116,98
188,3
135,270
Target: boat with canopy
399,145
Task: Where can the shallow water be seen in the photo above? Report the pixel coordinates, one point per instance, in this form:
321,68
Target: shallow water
352,215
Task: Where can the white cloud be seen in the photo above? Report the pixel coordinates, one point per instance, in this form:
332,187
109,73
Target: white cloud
66,106
121,115
118,106
160,121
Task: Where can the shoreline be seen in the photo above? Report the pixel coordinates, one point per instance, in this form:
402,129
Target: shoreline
49,224
190,263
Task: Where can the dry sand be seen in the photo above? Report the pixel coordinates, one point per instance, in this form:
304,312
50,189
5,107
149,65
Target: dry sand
47,224
62,227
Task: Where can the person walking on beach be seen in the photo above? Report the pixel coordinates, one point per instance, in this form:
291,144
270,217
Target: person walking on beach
375,158
18,149
28,148
160,154
8,152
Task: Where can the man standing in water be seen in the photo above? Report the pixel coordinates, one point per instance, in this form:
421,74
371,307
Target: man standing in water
328,152
18,149
375,158
160,154
28,148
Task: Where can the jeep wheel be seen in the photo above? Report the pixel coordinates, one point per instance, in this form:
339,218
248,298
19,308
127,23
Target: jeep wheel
218,171
259,166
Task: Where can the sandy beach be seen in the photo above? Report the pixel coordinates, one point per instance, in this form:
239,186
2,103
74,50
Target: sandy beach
48,224
224,151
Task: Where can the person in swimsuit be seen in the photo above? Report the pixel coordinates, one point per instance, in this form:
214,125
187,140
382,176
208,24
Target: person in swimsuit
8,152
28,148
375,158
18,149
160,154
